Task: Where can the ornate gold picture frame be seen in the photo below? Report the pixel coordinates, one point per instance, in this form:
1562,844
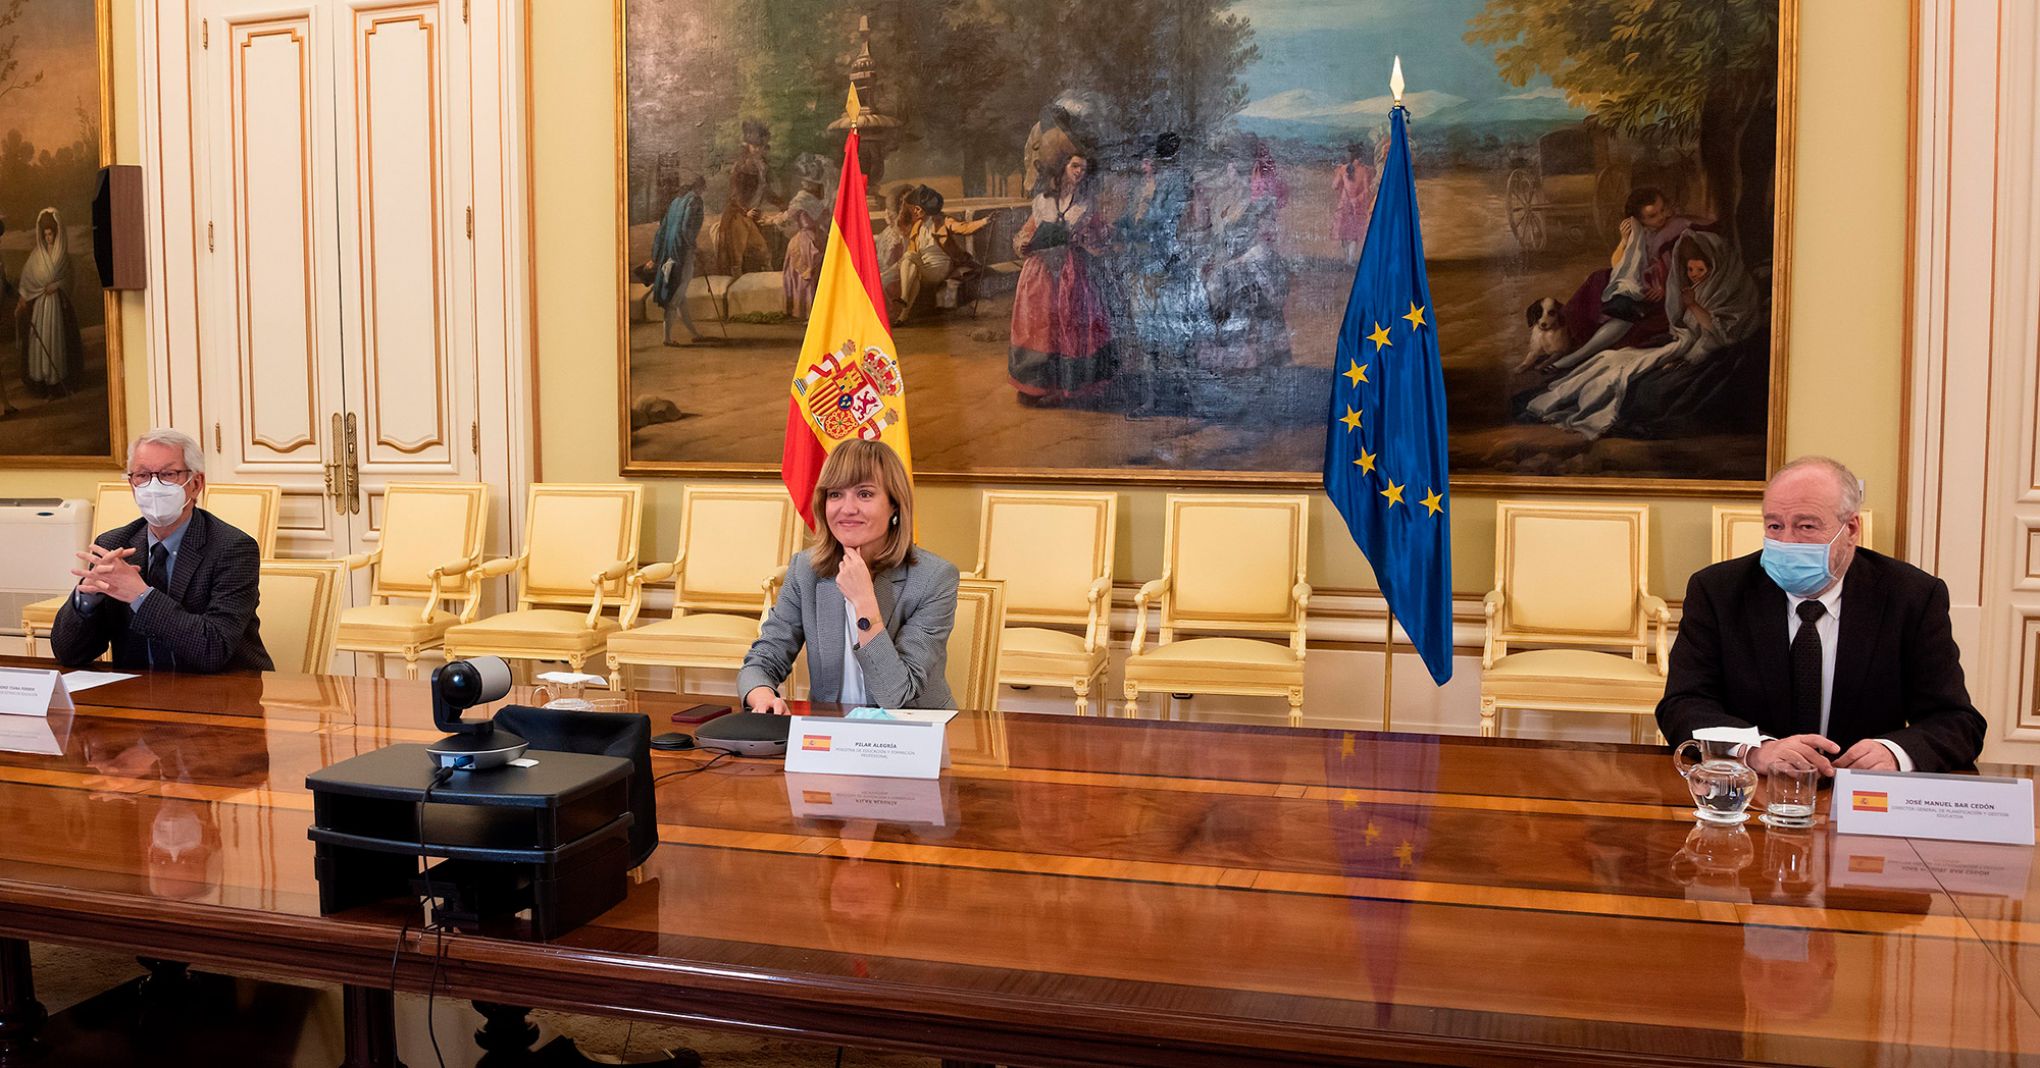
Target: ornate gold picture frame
1200,304
62,388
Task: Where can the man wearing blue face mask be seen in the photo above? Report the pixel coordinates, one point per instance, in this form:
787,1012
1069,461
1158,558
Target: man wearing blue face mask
175,590
1842,657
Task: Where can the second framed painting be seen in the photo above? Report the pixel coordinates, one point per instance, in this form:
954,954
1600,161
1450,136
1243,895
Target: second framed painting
62,401
1576,161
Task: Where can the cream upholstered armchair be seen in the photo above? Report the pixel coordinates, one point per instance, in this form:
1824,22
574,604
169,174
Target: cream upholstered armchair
581,543
255,508
113,505
1739,531
734,544
1573,576
301,612
1232,563
972,669
1054,552
431,538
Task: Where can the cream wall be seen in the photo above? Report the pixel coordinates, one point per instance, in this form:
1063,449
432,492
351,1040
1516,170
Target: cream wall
1846,316
127,148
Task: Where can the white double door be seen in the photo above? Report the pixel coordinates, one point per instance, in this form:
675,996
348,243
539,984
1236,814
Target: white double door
332,150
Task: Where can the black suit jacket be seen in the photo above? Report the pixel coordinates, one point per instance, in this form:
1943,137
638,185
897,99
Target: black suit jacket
205,621
1897,671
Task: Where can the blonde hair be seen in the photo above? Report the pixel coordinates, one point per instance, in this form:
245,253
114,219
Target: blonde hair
853,464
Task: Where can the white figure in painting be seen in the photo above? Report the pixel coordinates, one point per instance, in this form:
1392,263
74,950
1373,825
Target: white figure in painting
45,324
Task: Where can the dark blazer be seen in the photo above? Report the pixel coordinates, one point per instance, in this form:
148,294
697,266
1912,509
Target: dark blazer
205,621
1897,672
904,667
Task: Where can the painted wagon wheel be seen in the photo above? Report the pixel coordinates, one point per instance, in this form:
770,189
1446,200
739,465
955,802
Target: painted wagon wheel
1611,190
1525,203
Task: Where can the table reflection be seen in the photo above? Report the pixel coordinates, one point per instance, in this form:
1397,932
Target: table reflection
1710,863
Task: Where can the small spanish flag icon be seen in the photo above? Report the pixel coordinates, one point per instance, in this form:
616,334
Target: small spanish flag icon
1869,801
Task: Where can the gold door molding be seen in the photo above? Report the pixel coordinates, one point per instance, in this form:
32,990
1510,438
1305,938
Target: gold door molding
270,96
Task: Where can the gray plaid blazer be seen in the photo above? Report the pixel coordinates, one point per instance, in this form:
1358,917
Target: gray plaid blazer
205,621
904,667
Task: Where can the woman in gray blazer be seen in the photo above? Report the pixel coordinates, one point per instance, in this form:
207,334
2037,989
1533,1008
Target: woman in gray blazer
873,609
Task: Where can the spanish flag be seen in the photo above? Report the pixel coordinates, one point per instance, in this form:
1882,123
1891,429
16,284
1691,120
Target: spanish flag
847,381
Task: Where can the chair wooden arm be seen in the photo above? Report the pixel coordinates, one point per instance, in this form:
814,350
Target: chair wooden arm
357,561
488,569
1148,591
1300,594
601,578
438,575
1098,617
1490,610
771,587
1661,613
498,567
635,583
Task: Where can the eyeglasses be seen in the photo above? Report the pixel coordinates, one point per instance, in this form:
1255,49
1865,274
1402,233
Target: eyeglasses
168,478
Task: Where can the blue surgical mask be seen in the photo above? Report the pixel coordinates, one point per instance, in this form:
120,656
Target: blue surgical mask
1800,568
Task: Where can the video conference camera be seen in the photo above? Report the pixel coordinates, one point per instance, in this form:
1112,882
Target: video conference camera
471,745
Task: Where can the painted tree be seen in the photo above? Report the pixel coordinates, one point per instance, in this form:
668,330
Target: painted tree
979,72
1669,72
11,76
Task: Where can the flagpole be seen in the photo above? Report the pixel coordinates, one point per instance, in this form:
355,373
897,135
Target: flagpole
1395,87
1388,673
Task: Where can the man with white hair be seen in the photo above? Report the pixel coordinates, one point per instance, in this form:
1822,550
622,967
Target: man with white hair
1842,657
175,590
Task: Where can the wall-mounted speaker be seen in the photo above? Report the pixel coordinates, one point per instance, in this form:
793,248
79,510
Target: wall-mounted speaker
118,244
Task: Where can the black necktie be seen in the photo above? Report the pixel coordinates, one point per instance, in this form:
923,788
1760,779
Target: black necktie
158,573
1806,687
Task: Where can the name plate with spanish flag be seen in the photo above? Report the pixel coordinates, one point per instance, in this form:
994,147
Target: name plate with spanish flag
890,748
1958,808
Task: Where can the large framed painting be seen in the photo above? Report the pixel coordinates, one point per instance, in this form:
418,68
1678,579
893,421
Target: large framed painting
61,395
1117,238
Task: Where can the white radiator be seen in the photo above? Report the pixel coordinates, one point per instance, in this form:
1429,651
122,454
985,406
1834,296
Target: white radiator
39,542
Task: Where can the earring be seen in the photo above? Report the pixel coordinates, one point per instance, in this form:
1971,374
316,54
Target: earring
895,519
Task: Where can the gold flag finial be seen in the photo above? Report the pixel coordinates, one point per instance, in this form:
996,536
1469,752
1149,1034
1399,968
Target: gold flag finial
1395,82
852,109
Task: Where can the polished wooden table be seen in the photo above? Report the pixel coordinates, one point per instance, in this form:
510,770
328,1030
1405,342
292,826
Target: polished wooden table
1073,891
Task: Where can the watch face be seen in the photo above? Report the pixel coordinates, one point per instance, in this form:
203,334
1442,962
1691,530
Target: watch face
863,623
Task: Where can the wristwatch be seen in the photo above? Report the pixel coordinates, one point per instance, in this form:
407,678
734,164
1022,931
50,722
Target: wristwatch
863,623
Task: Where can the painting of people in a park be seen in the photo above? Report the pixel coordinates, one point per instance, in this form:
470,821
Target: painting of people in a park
1116,240
57,399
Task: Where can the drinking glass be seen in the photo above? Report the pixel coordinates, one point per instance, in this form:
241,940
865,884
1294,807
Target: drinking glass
1789,795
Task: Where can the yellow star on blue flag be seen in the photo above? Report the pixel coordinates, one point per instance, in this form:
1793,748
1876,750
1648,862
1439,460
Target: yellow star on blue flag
1386,432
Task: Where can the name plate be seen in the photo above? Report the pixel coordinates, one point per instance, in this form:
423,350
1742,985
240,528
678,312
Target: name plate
31,692
887,748
1958,808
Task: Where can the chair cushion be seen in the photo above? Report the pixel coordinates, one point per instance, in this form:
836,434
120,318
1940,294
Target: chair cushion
42,615
1040,641
1232,650
1573,664
535,621
1031,652
530,630
703,635
387,622
699,625
1189,663
1574,676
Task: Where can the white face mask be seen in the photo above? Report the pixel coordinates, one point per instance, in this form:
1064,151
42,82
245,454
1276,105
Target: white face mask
160,504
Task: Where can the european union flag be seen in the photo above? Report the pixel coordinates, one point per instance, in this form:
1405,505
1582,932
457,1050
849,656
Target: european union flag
1385,447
